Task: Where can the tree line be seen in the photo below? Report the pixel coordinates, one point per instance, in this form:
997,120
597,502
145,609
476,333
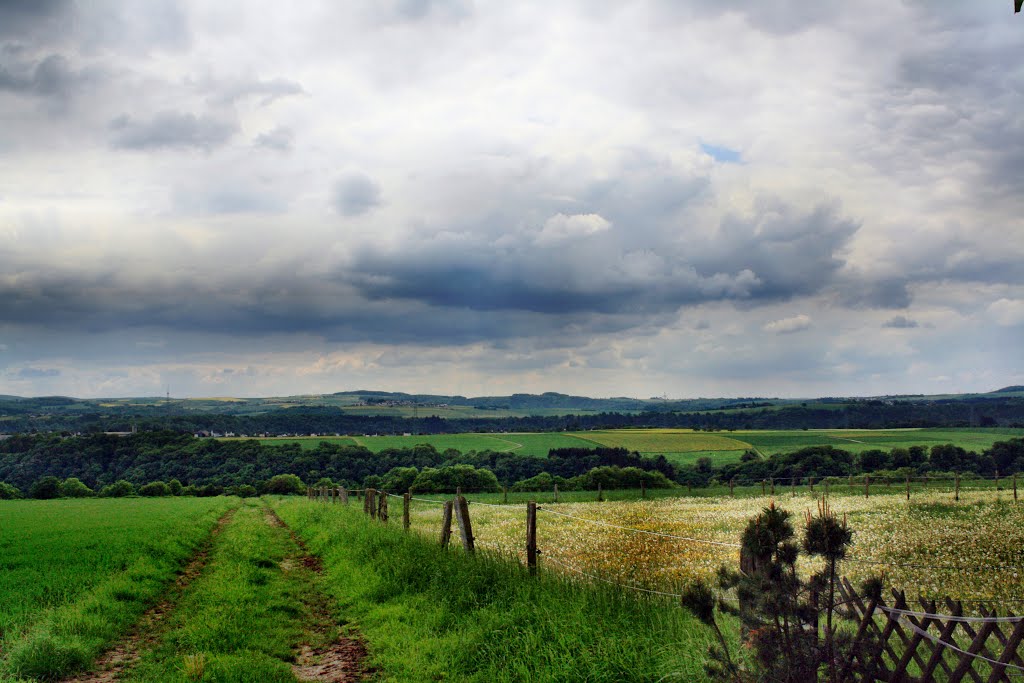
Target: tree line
860,414
106,464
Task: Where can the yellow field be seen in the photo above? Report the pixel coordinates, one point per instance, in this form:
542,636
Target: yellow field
664,440
958,550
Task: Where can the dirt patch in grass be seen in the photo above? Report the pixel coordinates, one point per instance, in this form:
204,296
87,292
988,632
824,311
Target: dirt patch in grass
126,653
330,653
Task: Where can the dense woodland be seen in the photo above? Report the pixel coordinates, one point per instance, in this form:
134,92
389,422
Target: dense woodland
992,410
210,465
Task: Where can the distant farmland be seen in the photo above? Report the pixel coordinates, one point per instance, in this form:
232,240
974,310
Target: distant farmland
682,446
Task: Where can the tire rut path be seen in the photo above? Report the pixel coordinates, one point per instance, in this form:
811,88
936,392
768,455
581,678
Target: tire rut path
331,653
126,653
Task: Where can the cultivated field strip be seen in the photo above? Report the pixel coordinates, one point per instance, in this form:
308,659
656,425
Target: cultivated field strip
931,547
77,574
256,613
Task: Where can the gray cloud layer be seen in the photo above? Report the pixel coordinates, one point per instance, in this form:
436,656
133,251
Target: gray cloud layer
525,188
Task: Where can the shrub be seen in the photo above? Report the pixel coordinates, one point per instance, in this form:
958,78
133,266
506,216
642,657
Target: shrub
285,484
175,486
119,489
45,488
8,492
155,488
74,488
243,491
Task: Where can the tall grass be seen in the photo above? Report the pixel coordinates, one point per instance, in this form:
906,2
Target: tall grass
429,614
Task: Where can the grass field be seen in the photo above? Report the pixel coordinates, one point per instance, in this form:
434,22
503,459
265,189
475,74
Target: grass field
680,446
930,546
77,573
431,615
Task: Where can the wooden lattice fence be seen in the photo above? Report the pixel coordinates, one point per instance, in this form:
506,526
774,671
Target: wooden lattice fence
900,645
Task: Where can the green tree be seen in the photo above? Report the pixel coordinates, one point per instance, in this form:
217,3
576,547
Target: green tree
175,486
155,489
45,488
74,488
286,484
9,492
119,489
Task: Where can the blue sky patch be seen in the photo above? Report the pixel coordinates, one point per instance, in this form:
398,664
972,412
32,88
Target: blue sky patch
723,154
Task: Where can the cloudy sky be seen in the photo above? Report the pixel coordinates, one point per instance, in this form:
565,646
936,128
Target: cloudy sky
705,198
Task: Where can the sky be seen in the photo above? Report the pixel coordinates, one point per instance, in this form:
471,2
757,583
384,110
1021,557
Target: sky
652,198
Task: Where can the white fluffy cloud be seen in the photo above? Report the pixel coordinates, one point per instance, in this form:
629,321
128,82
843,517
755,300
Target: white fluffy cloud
796,323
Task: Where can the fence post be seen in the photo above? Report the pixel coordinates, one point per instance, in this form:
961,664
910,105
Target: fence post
600,494
793,483
344,496
371,501
772,480
406,498
849,480
382,507
531,536
908,487
643,488
997,479
446,524
732,483
810,480
867,486
556,493
1014,487
762,487
956,488
465,528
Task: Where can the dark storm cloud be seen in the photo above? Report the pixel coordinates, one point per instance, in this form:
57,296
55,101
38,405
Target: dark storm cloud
50,77
900,322
170,129
23,19
269,304
778,254
356,194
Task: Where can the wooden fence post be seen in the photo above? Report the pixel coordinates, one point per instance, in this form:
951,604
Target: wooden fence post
810,480
763,484
531,536
956,488
600,494
732,483
793,483
371,501
344,495
1014,487
772,480
446,524
465,528
867,486
908,487
382,507
556,493
406,499
643,488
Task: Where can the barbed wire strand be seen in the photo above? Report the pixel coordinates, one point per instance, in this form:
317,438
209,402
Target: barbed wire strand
949,617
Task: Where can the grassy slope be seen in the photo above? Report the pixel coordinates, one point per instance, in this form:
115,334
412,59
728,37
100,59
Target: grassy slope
241,620
78,573
433,615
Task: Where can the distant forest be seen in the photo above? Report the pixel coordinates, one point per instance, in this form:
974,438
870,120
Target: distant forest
24,416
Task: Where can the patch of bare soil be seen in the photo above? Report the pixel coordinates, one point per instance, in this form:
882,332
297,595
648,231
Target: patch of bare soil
328,654
144,635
